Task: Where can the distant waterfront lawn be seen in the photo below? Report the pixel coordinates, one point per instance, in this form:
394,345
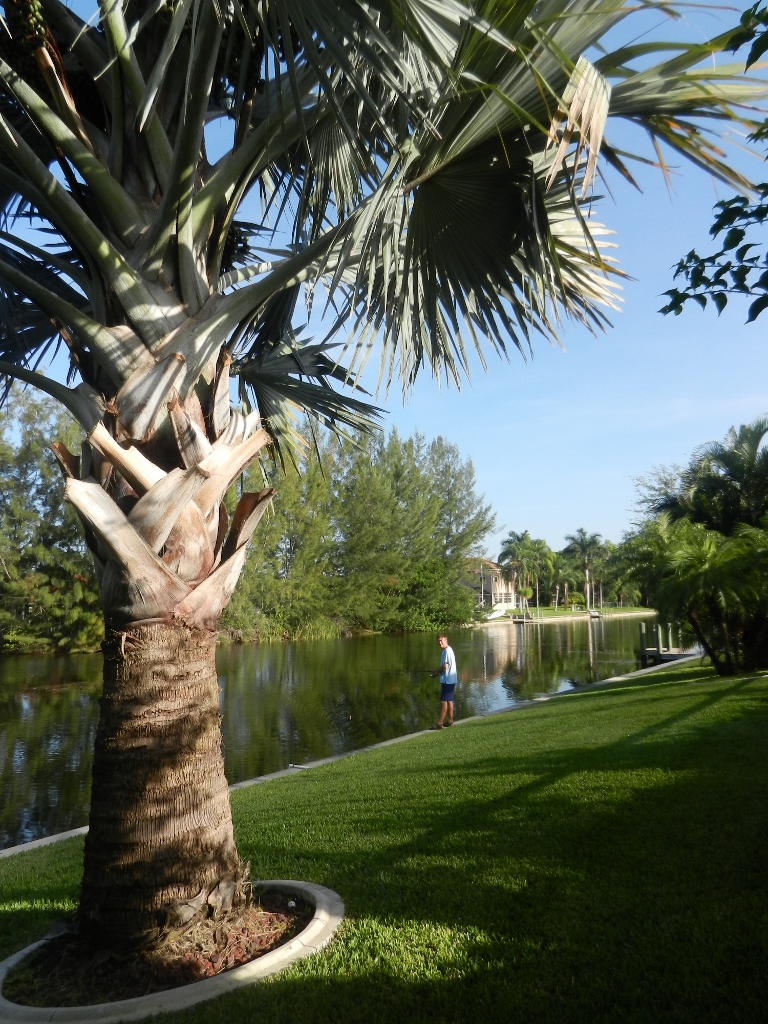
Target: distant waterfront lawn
600,857
562,613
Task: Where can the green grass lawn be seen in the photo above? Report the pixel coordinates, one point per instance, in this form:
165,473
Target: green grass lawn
562,613
601,857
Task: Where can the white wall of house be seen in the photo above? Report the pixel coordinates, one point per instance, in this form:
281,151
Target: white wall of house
502,590
492,590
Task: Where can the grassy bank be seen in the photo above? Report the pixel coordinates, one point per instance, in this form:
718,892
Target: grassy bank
597,857
572,613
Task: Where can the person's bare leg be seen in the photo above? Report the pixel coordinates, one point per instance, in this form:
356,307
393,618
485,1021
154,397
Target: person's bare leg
443,710
450,712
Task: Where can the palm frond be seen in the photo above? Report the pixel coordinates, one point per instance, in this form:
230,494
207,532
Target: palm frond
28,336
290,377
477,248
585,109
682,100
420,159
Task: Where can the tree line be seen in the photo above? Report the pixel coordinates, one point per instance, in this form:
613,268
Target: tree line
588,572
378,533
700,552
369,533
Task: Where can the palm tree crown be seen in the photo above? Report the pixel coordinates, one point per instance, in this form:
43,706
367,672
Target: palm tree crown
584,545
725,483
404,154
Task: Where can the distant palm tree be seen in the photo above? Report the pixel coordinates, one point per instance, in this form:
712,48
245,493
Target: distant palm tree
513,561
516,559
526,559
726,483
563,576
542,558
512,544
585,546
602,567
714,583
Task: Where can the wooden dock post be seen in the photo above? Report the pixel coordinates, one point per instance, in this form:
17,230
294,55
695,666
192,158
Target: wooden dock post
660,639
643,646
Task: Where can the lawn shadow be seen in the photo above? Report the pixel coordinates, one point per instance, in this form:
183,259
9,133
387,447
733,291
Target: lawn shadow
481,996
623,881
618,881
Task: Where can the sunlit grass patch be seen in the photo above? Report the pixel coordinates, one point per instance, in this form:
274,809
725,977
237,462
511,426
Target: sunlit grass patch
36,889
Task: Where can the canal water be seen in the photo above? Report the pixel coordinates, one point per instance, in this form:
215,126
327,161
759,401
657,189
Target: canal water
288,703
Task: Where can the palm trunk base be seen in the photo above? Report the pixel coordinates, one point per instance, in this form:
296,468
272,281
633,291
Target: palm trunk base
160,850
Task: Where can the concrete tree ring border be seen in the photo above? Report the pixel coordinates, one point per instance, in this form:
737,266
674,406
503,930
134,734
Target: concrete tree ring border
329,912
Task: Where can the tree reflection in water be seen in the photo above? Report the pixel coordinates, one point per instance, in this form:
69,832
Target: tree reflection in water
48,715
550,658
286,703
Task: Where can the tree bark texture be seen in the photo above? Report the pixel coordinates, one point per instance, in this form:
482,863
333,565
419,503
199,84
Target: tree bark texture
160,849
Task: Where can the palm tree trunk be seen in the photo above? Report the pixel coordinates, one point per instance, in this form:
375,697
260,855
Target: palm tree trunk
754,654
161,847
727,645
720,668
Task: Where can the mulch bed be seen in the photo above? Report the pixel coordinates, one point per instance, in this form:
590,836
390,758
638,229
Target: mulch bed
67,972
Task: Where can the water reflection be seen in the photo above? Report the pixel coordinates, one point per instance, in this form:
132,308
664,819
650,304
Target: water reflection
48,716
286,703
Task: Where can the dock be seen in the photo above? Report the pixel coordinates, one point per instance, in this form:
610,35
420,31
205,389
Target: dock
660,652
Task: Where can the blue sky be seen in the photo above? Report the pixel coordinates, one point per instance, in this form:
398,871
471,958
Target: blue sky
557,442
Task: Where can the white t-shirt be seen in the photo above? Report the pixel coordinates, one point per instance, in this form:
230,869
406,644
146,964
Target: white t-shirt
449,658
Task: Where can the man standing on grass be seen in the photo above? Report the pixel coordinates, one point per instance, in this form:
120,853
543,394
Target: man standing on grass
448,680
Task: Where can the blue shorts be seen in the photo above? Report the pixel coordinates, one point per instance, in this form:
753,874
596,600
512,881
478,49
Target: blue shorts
446,691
